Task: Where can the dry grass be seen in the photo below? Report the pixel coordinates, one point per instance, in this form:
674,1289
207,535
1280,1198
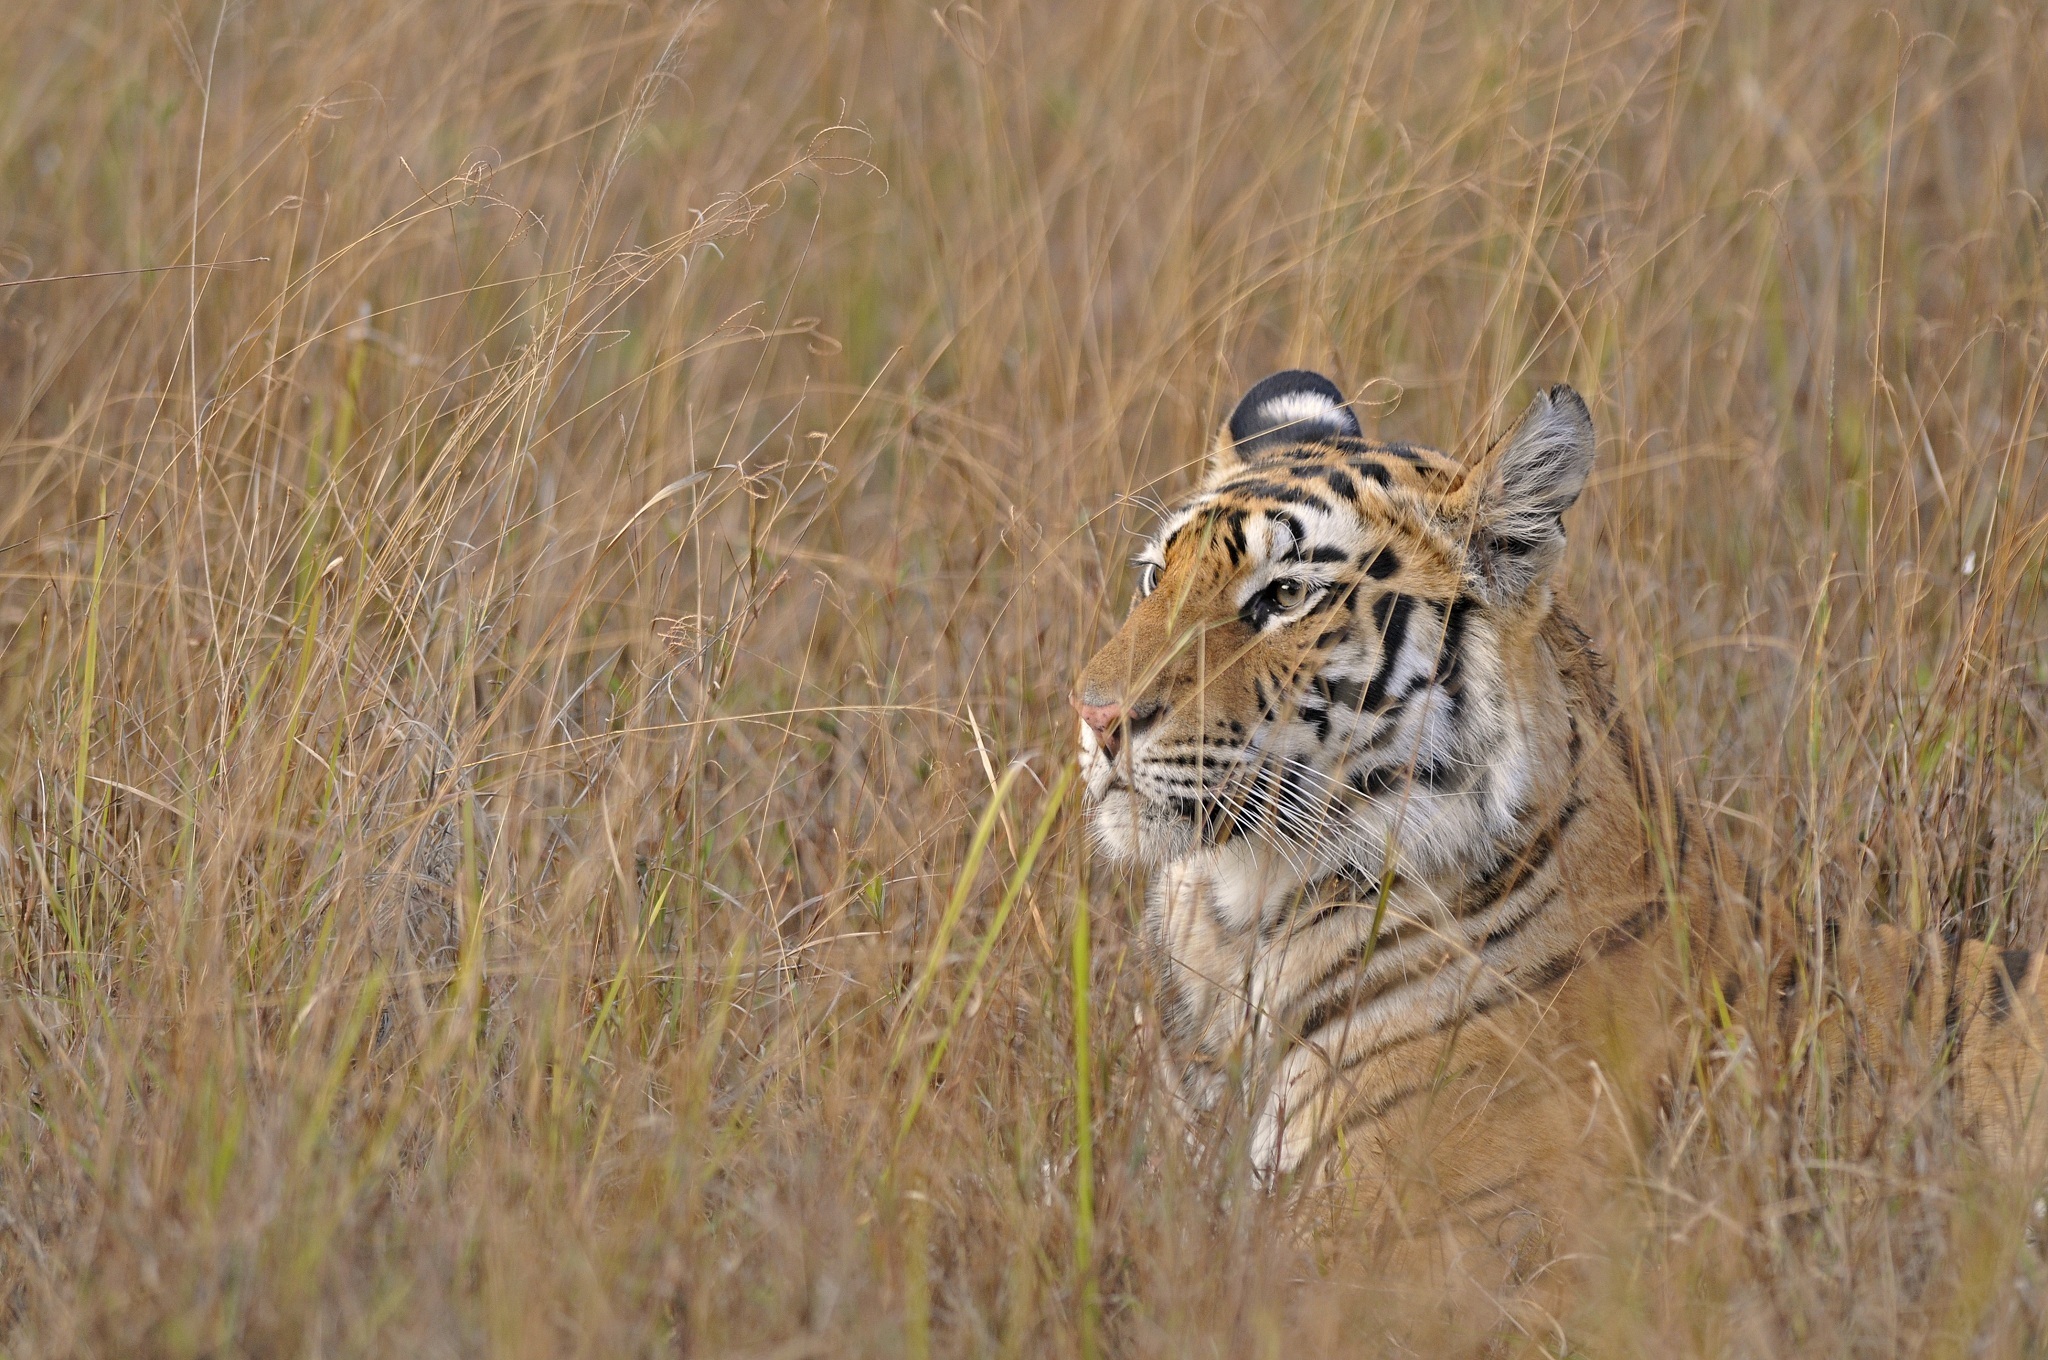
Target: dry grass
501,683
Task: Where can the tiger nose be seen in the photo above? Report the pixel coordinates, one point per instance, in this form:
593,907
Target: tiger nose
1104,720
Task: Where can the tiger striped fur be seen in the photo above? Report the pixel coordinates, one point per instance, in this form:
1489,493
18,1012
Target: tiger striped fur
1419,894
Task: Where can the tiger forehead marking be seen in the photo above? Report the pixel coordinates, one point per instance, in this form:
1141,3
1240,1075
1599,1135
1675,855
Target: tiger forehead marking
1412,874
1320,508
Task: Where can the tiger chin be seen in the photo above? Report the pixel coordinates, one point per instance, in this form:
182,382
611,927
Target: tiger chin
1421,903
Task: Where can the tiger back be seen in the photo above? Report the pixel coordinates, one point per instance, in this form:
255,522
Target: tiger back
1422,906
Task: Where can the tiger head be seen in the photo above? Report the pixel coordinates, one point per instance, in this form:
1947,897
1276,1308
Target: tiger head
1324,655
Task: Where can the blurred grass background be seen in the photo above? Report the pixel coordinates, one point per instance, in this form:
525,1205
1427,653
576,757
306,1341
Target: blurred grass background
536,535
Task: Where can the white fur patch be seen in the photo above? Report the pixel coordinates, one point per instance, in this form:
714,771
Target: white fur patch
1291,408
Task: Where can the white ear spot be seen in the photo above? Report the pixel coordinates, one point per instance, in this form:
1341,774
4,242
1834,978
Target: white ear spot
1303,408
1286,408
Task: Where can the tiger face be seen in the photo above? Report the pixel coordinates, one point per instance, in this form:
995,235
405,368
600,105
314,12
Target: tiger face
1313,666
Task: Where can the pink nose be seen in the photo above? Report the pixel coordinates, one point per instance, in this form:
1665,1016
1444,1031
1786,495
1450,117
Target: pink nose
1102,720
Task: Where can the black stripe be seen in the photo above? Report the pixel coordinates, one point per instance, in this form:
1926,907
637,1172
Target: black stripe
1233,536
1951,1013
1219,525
1509,874
1338,597
1388,1102
1351,890
1442,776
1286,493
1621,934
1520,988
1377,781
1604,941
1554,968
2006,979
1450,658
1350,996
1316,716
1271,930
1346,1000
1389,728
1391,613
1512,926
1625,747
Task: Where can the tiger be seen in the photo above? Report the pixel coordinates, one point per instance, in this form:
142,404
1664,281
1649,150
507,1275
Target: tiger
1422,903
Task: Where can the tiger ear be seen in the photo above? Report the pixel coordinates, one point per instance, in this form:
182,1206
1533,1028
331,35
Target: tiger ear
1512,502
1292,407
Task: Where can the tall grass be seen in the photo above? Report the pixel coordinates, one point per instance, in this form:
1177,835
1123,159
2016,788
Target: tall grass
533,533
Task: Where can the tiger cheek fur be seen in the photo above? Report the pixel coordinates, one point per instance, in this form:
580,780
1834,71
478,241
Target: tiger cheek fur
1419,894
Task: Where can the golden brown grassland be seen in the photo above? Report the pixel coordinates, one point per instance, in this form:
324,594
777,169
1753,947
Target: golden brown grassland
500,683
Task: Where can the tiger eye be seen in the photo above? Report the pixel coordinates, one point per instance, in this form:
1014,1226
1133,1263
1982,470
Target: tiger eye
1289,594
